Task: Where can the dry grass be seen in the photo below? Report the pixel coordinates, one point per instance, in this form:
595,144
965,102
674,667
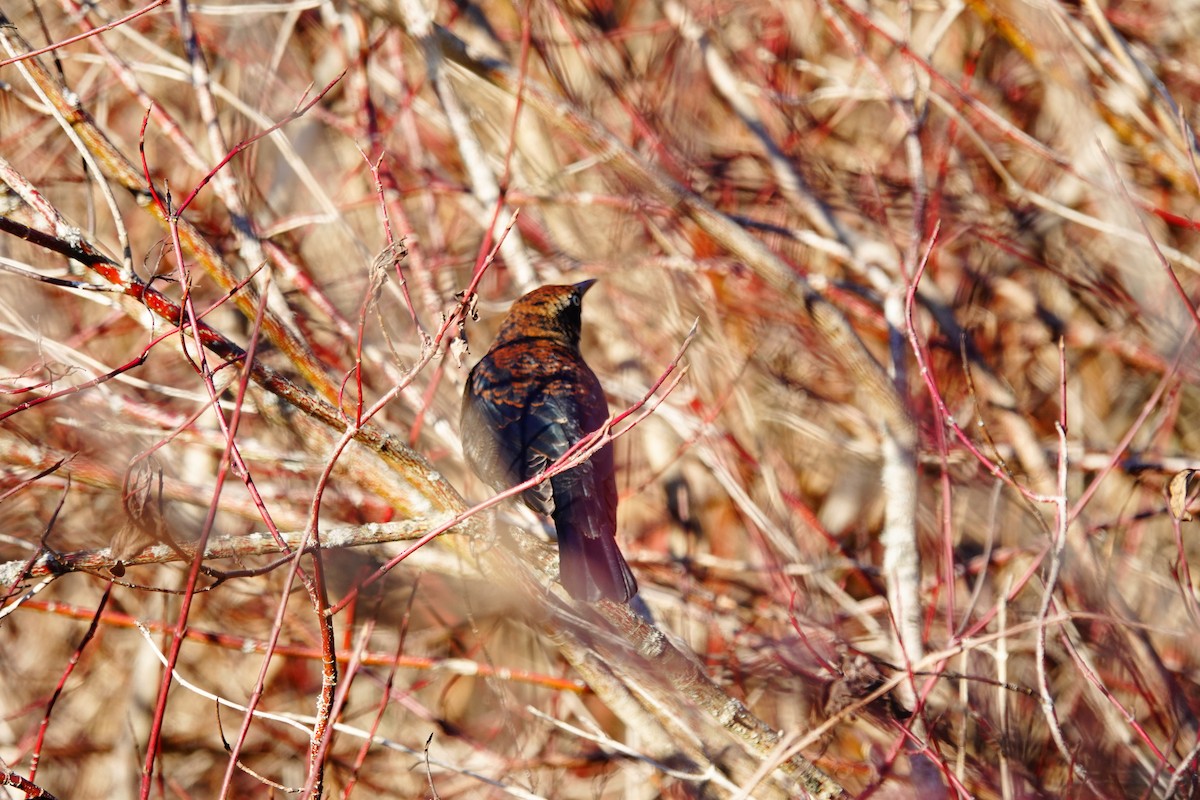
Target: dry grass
992,201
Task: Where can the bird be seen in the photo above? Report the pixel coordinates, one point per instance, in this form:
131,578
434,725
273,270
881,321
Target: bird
526,403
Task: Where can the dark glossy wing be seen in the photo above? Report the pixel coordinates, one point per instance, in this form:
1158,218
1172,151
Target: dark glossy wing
509,432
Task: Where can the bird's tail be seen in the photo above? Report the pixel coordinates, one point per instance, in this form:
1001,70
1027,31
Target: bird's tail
590,564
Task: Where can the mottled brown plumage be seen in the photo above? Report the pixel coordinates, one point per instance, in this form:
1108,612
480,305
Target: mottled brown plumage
526,403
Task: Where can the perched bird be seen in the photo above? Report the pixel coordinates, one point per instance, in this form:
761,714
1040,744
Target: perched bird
526,403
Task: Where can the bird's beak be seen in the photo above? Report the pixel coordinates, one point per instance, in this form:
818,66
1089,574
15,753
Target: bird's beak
583,286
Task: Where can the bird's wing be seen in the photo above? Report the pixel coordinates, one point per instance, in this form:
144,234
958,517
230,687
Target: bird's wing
506,438
544,431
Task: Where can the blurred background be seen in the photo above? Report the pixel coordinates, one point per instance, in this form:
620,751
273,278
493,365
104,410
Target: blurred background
994,200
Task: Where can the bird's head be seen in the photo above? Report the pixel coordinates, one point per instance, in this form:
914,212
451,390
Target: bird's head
547,312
